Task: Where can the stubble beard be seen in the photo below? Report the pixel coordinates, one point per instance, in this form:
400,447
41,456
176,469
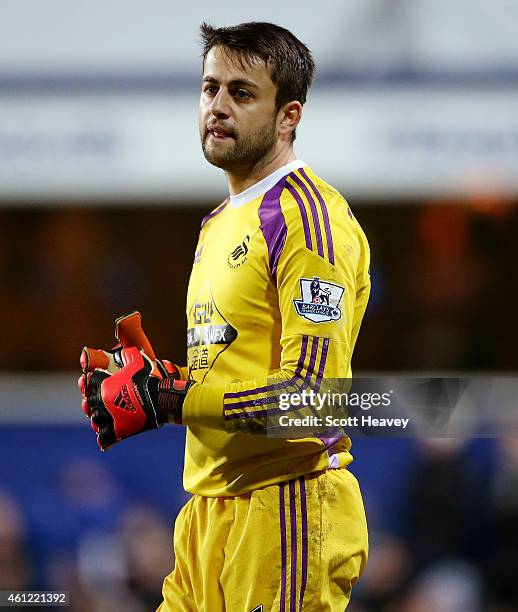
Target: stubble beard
242,154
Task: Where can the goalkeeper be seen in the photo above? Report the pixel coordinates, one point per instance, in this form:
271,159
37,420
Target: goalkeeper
276,297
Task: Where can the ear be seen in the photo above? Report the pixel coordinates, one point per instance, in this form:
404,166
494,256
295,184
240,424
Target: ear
288,118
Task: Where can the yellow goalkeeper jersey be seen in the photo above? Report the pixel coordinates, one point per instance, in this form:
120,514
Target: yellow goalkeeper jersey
279,286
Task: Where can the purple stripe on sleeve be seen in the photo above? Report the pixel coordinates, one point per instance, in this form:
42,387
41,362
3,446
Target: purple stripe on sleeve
247,392
327,225
282,521
281,385
323,358
297,382
301,385
266,400
304,516
303,214
312,359
302,357
273,224
296,385
293,525
314,213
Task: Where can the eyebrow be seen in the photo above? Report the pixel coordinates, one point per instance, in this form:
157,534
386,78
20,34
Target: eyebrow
233,82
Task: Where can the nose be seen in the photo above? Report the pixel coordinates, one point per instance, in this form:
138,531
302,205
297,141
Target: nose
220,105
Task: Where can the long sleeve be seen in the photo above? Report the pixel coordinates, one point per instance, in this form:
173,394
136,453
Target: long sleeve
322,294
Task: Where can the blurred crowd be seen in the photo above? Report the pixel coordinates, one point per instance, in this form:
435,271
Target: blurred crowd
84,534
455,547
443,519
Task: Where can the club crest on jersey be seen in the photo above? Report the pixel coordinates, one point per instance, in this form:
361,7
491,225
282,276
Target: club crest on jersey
319,301
238,255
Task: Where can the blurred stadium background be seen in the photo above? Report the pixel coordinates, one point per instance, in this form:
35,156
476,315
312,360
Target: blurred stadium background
413,116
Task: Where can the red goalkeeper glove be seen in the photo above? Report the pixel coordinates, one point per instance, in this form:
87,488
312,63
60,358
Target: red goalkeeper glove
132,400
98,365
128,332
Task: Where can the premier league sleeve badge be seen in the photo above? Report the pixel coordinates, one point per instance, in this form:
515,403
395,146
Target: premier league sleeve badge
319,301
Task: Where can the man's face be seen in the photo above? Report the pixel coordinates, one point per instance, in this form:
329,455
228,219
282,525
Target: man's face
237,112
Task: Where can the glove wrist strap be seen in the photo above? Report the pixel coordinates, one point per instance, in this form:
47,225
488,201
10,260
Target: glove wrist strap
168,396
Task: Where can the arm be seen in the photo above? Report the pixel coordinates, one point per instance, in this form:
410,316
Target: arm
321,301
311,348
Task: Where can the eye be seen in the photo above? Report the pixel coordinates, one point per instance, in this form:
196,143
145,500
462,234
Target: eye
242,94
210,89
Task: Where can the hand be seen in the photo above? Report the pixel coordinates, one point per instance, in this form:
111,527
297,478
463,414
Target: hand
128,332
120,417
130,401
119,405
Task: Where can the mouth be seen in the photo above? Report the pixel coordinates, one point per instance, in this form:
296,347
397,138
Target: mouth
219,133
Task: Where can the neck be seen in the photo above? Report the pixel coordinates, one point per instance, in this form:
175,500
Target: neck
241,179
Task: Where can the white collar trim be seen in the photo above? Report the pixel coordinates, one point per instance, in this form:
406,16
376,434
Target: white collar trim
264,184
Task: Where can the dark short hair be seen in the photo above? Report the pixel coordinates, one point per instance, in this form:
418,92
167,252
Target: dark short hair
289,60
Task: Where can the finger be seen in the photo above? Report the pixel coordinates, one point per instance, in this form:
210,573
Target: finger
94,381
129,332
81,385
120,357
106,437
135,358
98,419
100,416
102,424
85,407
92,359
94,406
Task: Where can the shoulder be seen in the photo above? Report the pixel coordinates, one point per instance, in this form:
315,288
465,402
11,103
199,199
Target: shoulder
334,204
311,196
214,212
317,215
